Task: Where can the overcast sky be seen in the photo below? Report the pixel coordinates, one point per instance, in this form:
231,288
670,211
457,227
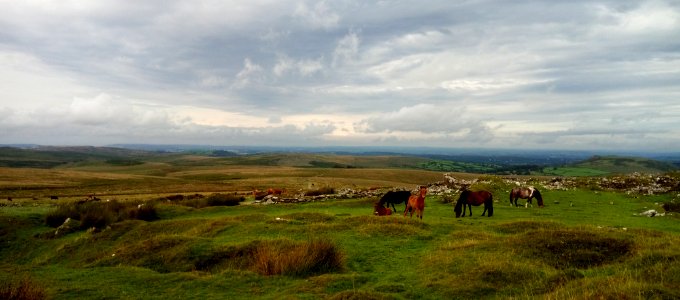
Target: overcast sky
546,74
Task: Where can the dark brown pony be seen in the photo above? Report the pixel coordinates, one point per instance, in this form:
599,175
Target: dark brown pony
525,193
417,203
470,198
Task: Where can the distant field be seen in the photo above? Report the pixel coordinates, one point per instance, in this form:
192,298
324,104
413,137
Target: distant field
573,171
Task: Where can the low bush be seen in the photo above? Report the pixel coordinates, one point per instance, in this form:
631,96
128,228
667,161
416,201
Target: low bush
212,200
25,289
671,206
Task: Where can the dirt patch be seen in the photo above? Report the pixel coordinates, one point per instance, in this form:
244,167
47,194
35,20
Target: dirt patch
564,249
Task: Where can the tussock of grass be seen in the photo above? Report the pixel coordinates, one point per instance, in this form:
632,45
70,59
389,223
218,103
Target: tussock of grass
360,295
172,253
23,289
283,257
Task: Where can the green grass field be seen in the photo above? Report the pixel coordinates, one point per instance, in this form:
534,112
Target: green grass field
584,244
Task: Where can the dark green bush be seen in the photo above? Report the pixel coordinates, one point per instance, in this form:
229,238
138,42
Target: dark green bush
224,200
212,200
100,214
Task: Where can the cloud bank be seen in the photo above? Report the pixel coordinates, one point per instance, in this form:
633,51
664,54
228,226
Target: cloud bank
490,74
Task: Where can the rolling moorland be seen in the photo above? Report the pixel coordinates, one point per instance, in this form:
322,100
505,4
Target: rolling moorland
157,224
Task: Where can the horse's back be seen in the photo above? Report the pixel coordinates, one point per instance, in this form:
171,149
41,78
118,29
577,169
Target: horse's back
395,197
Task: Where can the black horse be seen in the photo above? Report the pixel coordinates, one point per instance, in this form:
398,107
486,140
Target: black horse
395,197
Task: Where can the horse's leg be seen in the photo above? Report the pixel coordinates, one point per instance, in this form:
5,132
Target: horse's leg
470,209
484,212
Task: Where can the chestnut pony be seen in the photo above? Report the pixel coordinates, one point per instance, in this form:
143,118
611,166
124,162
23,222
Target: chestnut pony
380,210
525,193
417,203
470,198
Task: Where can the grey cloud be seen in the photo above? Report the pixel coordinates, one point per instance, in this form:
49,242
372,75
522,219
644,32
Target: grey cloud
562,63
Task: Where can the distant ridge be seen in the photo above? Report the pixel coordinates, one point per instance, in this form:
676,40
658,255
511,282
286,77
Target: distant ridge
626,165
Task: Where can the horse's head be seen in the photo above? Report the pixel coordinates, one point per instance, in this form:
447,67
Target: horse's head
538,196
458,209
423,191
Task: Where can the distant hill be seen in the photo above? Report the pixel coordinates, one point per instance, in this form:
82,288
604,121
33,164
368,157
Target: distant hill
52,156
606,165
530,164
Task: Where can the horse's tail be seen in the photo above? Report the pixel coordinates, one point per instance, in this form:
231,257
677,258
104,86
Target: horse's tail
489,205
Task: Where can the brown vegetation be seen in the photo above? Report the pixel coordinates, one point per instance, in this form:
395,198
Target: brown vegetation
24,289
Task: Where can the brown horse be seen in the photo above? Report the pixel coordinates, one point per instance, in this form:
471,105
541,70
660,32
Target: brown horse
417,203
272,191
380,210
258,195
470,198
525,193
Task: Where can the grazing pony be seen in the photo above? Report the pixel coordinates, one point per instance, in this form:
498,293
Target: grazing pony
259,195
395,197
272,191
470,198
525,193
417,203
380,210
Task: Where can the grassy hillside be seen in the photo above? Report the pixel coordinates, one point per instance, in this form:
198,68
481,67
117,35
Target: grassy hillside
576,247
605,165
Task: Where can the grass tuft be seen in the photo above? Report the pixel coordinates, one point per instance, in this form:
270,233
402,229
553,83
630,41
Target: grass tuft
24,289
283,257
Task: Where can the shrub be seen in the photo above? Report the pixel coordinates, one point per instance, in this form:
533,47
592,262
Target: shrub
671,206
212,200
320,191
224,200
25,289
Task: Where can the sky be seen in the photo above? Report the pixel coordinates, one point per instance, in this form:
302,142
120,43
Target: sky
570,75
